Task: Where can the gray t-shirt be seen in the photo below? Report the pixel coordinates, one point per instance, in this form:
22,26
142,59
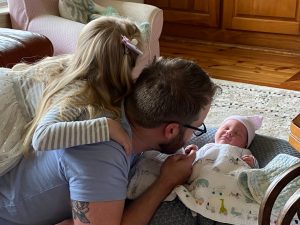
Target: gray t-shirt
38,190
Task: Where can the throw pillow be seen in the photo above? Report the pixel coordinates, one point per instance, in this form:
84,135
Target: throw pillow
84,11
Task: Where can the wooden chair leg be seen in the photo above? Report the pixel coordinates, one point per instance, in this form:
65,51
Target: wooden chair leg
273,191
290,209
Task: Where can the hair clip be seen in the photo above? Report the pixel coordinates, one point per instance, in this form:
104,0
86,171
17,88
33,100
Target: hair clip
131,45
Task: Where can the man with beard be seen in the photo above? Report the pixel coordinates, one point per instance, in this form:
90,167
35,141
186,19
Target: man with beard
170,100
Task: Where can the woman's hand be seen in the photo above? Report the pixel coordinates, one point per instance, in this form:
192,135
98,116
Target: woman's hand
117,133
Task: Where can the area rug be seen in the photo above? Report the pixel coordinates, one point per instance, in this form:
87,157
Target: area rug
277,106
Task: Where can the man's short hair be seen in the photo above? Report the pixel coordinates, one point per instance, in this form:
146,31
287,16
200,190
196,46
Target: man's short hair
169,90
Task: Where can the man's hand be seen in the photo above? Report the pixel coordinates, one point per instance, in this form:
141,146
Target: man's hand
174,171
177,169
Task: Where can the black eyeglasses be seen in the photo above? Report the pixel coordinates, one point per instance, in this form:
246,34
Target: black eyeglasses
198,131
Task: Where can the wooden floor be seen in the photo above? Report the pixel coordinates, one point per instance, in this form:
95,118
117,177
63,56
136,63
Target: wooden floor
268,67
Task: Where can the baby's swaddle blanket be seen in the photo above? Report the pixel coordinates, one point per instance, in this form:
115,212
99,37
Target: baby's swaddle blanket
222,186
212,189
254,183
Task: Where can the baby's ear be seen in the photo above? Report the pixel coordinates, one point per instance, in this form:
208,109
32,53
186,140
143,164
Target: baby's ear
171,130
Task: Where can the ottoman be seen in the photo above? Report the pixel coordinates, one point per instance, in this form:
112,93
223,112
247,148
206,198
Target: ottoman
22,46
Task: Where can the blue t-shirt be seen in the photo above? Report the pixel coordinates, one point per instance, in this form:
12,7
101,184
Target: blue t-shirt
38,190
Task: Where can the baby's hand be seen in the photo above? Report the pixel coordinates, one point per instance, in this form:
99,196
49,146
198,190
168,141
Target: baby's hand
117,133
249,159
189,148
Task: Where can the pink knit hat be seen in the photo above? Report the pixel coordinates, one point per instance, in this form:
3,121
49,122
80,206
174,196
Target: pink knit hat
252,123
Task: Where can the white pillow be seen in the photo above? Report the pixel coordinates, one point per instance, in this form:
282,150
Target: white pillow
84,11
79,10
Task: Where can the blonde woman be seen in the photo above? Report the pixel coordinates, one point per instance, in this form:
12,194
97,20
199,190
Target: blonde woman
81,93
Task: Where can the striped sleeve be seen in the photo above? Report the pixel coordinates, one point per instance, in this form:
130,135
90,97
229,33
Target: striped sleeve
58,130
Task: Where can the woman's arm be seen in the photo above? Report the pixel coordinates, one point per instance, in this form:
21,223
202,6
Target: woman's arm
61,130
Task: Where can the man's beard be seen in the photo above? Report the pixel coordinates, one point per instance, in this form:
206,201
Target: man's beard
172,146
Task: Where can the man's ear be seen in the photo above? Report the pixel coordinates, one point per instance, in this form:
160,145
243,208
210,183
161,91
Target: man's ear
171,130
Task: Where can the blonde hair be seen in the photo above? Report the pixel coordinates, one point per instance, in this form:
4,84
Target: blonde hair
101,63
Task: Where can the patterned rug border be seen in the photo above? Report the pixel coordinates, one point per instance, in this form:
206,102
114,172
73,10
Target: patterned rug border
277,106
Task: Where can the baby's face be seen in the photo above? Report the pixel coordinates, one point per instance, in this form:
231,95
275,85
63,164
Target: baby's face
232,132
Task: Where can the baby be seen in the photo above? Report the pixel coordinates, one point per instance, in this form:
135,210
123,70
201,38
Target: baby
237,131
228,153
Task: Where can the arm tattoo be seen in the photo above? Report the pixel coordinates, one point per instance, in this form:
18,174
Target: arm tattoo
79,210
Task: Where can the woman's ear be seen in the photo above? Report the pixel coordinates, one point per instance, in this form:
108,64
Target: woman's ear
171,130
